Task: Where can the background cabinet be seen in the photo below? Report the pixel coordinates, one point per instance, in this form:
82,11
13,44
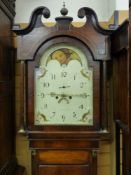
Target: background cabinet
122,103
8,162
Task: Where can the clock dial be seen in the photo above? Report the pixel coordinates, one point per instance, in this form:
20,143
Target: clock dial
63,88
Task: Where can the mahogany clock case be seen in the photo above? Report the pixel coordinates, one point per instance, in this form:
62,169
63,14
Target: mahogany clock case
96,74
93,41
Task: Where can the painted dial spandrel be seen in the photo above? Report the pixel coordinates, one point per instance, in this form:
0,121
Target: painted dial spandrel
63,88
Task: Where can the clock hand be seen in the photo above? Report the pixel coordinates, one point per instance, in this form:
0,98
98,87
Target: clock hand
84,95
53,94
64,87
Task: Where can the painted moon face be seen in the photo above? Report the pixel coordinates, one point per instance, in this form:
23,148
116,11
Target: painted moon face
59,56
63,56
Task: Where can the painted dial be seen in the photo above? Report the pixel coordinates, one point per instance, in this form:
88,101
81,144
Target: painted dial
63,88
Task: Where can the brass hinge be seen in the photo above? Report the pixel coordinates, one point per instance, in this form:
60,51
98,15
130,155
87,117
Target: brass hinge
33,151
94,153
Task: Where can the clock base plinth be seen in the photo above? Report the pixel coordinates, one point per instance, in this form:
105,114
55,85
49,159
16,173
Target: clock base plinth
62,157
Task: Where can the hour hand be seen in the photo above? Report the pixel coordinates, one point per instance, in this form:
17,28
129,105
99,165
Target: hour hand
63,87
53,94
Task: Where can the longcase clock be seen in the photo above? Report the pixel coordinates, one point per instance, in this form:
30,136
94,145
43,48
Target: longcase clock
67,90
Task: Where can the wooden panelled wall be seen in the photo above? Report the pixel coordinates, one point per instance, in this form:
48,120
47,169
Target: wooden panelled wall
106,157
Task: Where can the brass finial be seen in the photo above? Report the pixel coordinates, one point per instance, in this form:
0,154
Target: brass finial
64,10
64,4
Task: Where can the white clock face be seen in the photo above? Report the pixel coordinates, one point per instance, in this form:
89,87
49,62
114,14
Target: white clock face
63,88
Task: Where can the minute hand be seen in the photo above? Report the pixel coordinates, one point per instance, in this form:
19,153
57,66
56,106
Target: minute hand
83,95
